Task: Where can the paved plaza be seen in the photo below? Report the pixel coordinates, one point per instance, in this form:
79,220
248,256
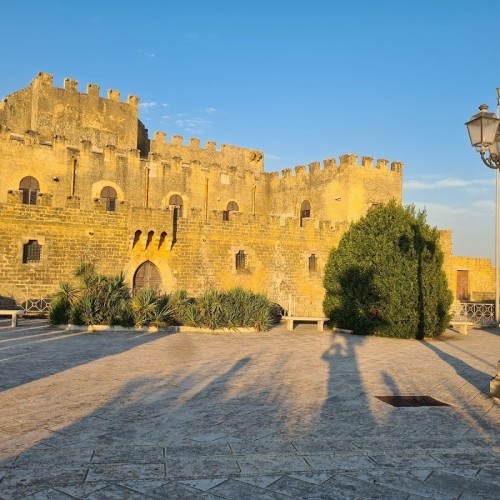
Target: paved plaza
274,415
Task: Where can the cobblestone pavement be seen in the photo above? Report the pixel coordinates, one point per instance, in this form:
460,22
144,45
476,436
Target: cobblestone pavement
269,415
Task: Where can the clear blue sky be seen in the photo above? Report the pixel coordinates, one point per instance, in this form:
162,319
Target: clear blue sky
302,81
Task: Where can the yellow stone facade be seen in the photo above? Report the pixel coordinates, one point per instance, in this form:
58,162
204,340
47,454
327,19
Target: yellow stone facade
81,180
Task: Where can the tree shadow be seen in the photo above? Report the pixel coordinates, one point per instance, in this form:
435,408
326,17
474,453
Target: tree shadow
55,350
476,378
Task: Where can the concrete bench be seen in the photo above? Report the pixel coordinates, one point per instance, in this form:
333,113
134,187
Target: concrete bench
13,313
290,319
461,325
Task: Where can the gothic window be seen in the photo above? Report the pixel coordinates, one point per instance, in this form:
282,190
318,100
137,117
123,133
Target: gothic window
305,211
240,261
30,188
163,236
32,252
137,237
146,276
176,202
150,238
109,194
313,263
232,206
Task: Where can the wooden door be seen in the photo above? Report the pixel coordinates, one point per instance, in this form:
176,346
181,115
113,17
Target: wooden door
463,285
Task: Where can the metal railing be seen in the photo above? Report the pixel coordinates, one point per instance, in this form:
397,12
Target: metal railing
479,314
35,307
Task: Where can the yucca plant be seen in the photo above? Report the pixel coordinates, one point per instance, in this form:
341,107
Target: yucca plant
152,309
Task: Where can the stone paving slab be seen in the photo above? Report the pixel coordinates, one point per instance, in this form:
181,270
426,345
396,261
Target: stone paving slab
269,415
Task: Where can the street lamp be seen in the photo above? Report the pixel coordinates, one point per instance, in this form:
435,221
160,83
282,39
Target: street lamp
484,134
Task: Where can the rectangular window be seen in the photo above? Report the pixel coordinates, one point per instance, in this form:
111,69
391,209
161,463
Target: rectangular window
32,252
313,263
240,261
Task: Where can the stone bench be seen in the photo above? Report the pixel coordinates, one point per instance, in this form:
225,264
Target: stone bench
319,320
462,326
13,313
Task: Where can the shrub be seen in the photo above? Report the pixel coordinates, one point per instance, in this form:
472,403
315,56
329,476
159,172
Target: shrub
8,303
386,276
151,309
98,299
231,309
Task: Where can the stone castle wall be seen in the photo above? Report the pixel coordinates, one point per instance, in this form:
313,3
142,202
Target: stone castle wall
75,144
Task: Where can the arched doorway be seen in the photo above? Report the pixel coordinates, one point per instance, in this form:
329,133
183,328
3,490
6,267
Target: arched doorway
146,276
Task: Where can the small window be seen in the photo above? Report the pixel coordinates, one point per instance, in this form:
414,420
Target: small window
163,236
137,237
313,263
305,211
30,188
176,202
109,194
240,261
150,238
232,206
32,252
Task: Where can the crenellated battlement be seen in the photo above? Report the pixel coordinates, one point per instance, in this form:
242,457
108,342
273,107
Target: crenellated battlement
46,81
330,168
227,158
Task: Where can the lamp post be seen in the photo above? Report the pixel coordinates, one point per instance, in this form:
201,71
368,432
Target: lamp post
484,133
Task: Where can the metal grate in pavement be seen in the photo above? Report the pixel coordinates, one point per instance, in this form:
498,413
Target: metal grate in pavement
411,401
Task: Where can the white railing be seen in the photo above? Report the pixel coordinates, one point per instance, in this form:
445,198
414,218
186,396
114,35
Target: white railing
474,312
36,306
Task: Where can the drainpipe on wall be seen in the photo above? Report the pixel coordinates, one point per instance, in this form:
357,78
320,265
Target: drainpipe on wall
146,201
206,198
73,177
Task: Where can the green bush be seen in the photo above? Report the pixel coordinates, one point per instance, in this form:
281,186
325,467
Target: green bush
8,303
386,277
106,300
152,309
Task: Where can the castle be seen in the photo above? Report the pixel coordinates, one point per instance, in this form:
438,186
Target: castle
81,180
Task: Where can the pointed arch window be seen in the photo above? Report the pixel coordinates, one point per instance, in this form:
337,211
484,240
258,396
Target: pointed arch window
30,188
109,194
305,211
137,237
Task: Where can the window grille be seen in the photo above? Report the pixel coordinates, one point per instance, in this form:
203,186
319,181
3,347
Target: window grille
240,260
30,188
313,263
32,252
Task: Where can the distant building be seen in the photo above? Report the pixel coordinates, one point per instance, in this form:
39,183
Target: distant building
80,180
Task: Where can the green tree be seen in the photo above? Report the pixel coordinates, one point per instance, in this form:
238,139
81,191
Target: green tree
386,277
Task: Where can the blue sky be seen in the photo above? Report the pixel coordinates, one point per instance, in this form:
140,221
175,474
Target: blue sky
302,81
